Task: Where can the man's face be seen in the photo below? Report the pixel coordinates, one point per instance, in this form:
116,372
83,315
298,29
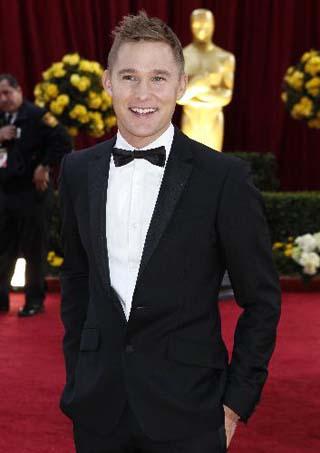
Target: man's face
10,97
145,83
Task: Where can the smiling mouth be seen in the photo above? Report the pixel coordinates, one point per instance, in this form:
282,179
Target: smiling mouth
142,112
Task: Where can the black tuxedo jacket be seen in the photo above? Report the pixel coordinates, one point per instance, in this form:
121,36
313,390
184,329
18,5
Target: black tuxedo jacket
40,142
169,360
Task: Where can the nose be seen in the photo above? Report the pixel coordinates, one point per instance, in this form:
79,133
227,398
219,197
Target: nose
143,90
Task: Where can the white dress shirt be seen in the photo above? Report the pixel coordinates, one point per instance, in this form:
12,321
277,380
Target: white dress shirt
131,197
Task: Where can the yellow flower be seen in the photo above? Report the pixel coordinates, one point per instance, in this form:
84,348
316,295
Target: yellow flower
96,68
71,59
63,99
277,245
96,133
111,121
288,252
50,255
40,103
85,65
295,80
56,108
96,124
57,70
303,108
75,79
84,83
106,101
57,261
51,90
94,102
305,57
84,118
46,74
78,111
37,90
284,96
313,86
314,123
308,55
313,65
73,131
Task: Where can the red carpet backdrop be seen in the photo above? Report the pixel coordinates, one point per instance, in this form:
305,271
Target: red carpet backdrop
32,374
266,37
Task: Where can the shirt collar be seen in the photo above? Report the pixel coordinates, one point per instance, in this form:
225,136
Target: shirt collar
165,140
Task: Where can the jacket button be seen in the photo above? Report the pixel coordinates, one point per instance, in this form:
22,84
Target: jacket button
129,348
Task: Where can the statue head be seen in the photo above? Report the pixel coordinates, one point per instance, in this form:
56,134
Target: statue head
202,25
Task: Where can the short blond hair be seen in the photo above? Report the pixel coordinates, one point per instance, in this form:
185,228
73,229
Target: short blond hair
143,28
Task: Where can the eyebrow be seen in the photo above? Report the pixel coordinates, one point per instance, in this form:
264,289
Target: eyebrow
154,71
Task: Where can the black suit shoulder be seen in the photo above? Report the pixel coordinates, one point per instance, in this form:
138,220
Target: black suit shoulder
75,164
30,110
214,163
81,157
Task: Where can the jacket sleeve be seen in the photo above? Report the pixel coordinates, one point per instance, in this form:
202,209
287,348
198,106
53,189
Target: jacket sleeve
74,275
56,140
247,251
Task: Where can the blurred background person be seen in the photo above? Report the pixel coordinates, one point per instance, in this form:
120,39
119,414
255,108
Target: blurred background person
31,140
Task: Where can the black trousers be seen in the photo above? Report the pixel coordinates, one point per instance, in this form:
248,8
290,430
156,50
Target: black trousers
24,219
128,437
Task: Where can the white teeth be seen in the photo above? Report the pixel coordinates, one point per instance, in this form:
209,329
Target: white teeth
142,111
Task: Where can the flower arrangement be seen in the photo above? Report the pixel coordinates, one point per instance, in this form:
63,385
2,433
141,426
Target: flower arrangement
301,255
301,89
54,260
72,91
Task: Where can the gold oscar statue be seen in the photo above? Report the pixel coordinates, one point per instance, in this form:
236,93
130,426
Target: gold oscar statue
211,72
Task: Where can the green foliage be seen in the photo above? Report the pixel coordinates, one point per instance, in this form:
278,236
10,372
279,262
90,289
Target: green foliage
264,169
292,213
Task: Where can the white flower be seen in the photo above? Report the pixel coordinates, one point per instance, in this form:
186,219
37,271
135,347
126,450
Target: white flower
309,269
296,253
307,242
310,262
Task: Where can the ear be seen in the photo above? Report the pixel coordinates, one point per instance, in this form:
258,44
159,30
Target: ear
182,86
106,81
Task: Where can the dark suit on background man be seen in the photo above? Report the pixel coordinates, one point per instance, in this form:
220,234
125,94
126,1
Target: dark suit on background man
168,362
24,208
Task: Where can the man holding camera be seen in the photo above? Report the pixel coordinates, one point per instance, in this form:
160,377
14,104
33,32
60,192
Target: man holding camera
31,140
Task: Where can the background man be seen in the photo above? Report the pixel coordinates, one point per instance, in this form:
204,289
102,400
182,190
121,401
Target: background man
30,141
151,221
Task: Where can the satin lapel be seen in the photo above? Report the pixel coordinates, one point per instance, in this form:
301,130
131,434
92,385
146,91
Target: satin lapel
176,175
98,184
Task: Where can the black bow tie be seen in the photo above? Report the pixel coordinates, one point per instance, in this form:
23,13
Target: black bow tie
157,156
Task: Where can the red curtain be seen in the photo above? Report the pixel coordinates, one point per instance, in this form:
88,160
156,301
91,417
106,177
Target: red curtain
266,37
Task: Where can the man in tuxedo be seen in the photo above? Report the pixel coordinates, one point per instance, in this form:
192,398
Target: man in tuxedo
31,140
150,221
